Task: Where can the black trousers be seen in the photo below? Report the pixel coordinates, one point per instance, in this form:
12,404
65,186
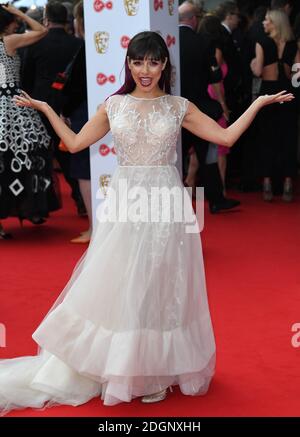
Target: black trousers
278,135
209,174
64,160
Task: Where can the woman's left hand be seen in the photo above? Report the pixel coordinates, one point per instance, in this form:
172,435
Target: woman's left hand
281,97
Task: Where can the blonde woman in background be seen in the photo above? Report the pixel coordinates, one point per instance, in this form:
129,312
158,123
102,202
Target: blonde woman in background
275,57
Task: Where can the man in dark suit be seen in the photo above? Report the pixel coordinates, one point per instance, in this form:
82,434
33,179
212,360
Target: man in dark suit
228,14
42,62
197,63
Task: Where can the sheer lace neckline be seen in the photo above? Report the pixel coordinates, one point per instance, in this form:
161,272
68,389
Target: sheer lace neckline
146,98
145,130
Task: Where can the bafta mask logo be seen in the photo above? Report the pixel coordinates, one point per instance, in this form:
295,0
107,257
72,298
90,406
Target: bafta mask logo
99,5
104,181
104,150
131,7
101,40
171,6
158,4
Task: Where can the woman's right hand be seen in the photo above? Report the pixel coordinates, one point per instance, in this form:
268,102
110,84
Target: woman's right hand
25,100
9,8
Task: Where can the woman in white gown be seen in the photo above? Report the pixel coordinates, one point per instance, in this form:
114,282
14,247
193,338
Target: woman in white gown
133,319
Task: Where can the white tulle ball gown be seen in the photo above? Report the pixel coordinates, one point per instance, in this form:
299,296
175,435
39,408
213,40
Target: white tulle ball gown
134,317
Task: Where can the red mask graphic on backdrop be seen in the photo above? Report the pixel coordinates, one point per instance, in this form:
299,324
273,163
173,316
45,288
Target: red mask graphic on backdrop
170,40
102,79
105,150
99,5
125,41
158,4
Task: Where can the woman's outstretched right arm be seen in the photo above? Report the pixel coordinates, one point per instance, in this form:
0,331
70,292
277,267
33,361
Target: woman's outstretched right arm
92,131
204,127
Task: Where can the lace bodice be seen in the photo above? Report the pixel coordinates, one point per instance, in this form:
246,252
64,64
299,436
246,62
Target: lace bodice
145,131
9,67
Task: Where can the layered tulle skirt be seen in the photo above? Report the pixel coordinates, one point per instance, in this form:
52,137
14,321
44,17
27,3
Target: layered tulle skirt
134,317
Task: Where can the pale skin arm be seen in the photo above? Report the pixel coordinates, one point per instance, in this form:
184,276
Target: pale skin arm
16,41
257,64
206,128
194,120
96,128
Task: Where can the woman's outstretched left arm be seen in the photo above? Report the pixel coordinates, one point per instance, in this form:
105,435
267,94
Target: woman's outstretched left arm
206,128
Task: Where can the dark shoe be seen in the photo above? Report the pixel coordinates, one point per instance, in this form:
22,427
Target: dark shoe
81,209
35,220
223,205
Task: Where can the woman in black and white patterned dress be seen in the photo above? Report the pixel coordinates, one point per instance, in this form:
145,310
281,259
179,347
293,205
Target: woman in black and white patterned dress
25,160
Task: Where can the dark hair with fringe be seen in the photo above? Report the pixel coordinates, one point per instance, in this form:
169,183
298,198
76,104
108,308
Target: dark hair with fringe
147,45
6,18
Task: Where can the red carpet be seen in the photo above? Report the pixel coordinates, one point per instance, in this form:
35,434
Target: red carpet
252,260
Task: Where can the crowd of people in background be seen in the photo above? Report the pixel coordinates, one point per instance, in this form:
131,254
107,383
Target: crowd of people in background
38,64
255,48
228,57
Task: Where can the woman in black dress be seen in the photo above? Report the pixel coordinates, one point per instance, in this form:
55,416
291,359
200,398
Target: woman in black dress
275,57
25,160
